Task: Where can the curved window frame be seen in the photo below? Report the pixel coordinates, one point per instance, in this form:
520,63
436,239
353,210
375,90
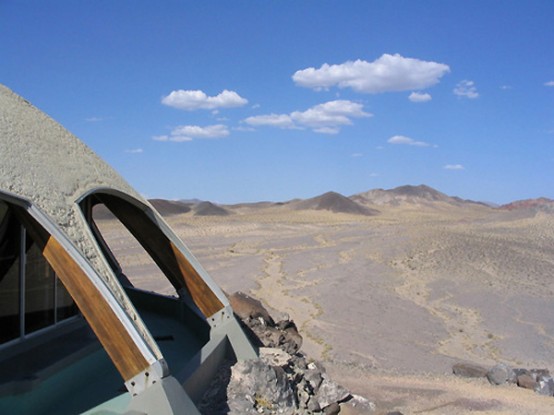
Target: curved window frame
178,266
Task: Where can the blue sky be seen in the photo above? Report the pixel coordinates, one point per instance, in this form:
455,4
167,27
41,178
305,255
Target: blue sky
238,101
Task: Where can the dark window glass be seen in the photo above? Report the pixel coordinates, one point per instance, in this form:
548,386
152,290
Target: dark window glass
40,284
10,231
66,307
40,295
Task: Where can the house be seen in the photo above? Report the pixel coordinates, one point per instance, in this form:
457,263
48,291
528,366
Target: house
77,334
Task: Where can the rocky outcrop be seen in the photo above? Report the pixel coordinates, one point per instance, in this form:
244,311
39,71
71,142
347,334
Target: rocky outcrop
282,380
538,380
281,383
263,329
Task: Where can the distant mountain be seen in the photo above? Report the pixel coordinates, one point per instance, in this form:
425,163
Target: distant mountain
334,202
209,209
408,194
541,204
170,207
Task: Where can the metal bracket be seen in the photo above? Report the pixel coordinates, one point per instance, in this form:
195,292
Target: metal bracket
222,316
148,377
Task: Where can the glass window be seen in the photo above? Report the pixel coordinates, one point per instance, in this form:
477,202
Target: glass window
65,306
40,284
31,296
10,231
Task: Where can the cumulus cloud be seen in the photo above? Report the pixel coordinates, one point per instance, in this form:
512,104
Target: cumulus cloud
453,167
184,133
191,100
401,139
272,120
549,83
419,97
385,74
466,89
326,118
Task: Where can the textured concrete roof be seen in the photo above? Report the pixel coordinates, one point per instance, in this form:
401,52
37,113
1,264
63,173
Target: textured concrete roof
44,163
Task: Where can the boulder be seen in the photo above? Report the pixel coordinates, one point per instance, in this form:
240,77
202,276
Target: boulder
468,370
545,385
246,307
263,330
537,373
256,387
500,374
526,381
332,409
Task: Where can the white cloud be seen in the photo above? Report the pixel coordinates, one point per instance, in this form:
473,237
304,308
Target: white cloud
326,118
356,155
387,73
184,133
466,89
419,97
453,167
401,139
195,99
549,83
273,120
244,129
134,150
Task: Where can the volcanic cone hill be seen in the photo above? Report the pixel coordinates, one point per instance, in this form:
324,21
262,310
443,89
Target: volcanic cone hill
209,209
170,207
334,202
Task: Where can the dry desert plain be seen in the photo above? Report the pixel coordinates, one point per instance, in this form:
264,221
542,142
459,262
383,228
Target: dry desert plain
389,301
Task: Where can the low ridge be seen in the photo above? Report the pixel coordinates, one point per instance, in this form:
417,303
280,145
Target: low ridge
407,194
542,204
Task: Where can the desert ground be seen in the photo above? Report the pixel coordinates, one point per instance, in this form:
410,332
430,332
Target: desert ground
390,301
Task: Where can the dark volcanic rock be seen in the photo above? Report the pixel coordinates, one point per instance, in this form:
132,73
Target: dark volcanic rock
545,386
500,374
332,409
468,370
259,323
526,381
256,387
281,380
246,307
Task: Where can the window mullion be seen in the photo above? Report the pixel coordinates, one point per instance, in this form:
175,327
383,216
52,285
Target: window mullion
22,263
